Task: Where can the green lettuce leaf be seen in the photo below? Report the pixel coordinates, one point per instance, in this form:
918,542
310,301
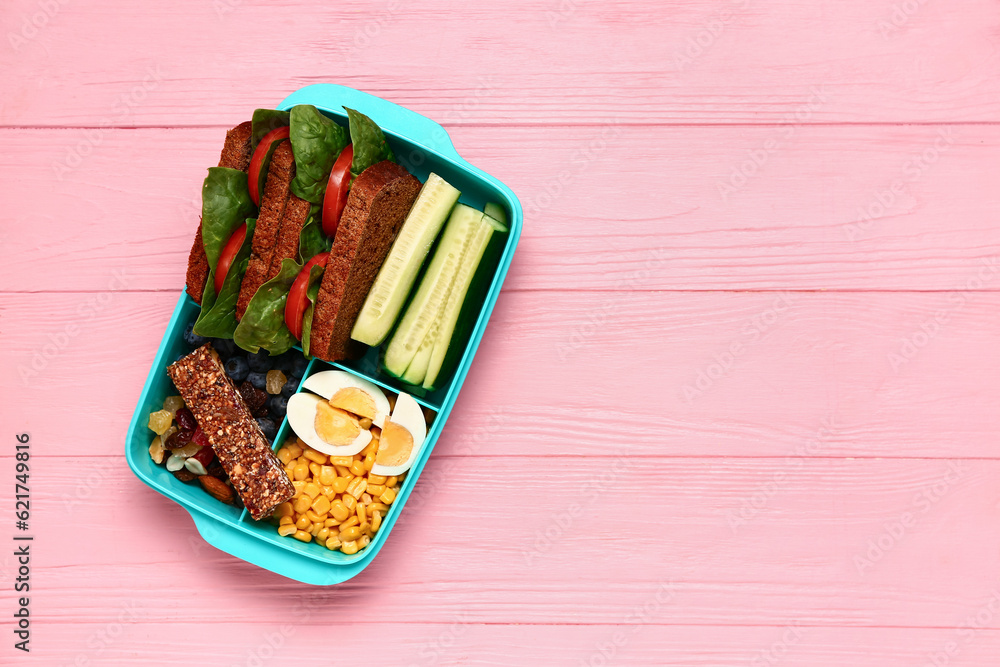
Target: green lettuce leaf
316,143
263,324
315,277
312,240
370,146
225,205
265,120
218,313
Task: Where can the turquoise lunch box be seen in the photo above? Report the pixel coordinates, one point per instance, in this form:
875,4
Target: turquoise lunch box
422,146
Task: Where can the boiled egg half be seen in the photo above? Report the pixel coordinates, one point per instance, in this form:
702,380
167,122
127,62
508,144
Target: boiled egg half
327,416
403,435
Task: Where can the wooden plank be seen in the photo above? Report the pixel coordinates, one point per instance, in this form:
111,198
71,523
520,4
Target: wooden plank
132,635
570,62
574,373
616,208
540,540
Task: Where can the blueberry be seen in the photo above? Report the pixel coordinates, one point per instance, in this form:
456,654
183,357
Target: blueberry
224,347
237,368
260,362
290,386
268,427
193,339
278,406
257,379
299,364
284,362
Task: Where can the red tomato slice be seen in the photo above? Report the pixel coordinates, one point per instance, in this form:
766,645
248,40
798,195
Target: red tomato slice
229,251
298,301
336,190
257,160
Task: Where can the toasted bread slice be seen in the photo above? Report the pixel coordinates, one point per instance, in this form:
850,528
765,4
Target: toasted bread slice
236,153
376,207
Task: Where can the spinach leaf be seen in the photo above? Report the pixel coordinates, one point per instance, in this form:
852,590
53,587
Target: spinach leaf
316,143
218,313
263,324
315,277
370,146
312,240
225,205
265,120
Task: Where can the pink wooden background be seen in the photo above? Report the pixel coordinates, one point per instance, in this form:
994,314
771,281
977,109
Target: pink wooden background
738,402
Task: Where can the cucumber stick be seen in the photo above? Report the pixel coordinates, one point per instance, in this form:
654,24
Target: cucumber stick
433,290
495,211
399,271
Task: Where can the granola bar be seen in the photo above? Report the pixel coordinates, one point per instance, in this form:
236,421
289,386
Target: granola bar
258,477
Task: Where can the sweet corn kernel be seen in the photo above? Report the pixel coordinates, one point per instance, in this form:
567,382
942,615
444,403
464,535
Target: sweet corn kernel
378,507
348,534
316,518
391,482
298,484
353,487
338,510
328,492
366,499
358,468
364,541
284,455
315,529
349,501
387,496
283,510
303,522
349,548
286,529
367,528
315,457
375,489
341,460
372,448
376,479
340,484
321,505
302,503
301,471
286,521
369,462
344,471
323,535
314,468
331,522
326,475
311,489
303,536
333,543
351,521
362,515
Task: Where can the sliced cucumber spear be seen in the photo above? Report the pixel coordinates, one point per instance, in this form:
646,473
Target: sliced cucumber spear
399,271
495,211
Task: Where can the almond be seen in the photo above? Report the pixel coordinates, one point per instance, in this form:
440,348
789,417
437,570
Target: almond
217,489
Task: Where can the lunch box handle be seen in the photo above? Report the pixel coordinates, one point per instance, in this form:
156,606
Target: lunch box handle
392,118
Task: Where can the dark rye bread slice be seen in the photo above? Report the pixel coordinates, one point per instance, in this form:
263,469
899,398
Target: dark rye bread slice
236,154
265,236
376,207
287,245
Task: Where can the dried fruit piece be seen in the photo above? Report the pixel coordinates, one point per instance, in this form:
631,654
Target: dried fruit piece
335,426
160,421
178,439
157,451
184,475
274,382
217,489
172,404
395,446
186,420
187,450
253,397
354,400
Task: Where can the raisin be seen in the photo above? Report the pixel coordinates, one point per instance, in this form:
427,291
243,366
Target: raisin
184,475
252,396
179,439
